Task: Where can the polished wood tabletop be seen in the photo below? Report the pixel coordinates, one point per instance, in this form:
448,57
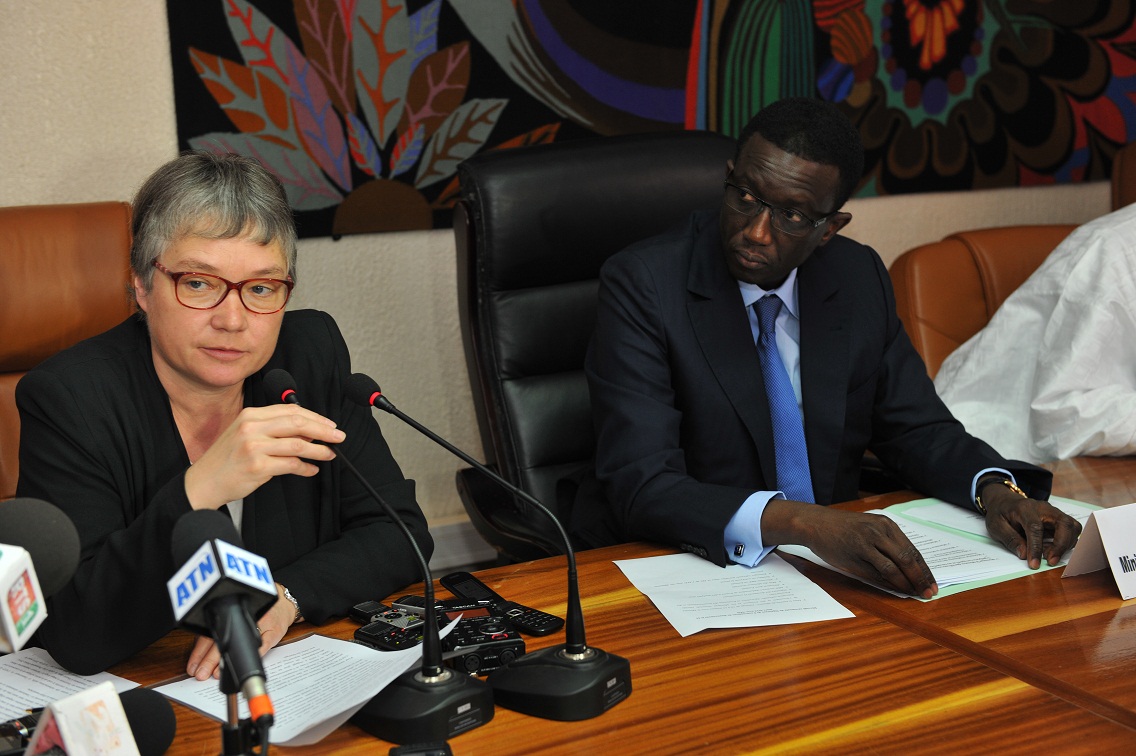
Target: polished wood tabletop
1034,664
1073,637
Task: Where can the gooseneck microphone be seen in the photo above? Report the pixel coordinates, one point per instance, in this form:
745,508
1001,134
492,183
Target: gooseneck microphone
432,703
569,682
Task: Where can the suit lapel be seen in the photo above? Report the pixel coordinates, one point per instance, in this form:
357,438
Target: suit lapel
825,333
721,326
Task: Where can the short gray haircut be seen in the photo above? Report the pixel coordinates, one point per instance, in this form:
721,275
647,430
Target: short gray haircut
212,196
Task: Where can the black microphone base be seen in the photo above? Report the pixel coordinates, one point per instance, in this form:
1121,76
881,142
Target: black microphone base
416,710
550,684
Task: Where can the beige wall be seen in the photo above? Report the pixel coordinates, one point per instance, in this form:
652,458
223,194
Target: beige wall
87,112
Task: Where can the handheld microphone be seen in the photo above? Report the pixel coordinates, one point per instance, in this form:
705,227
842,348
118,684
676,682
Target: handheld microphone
569,682
219,591
38,557
148,713
430,704
151,719
47,534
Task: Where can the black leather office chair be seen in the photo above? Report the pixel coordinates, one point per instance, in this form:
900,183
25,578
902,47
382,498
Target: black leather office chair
533,227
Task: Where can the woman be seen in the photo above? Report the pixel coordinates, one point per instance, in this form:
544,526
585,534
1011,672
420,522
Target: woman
165,413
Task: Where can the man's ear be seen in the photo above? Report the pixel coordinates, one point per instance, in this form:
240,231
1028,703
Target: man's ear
729,167
835,222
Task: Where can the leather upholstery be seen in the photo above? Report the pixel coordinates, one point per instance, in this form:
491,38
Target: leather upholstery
946,291
533,227
63,276
1124,176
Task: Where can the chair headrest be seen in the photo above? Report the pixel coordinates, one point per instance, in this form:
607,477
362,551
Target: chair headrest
554,213
63,275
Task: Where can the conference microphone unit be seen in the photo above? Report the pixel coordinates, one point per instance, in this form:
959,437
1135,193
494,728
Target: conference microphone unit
219,592
568,682
148,713
38,556
429,704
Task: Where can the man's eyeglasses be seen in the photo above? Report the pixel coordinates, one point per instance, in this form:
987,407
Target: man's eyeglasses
204,291
784,219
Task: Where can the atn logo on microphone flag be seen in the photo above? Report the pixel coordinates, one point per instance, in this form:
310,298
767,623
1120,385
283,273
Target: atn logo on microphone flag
23,609
214,562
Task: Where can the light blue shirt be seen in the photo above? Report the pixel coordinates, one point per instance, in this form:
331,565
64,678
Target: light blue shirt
742,537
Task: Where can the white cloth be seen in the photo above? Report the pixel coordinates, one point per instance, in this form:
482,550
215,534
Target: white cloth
1053,375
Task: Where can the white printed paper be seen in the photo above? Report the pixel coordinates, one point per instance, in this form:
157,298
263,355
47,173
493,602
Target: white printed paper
694,594
32,679
315,683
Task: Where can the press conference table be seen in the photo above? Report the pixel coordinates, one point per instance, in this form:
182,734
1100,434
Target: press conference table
1038,664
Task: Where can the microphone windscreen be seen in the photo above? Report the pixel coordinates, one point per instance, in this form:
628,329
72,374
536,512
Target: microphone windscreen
279,384
195,528
47,534
151,719
360,388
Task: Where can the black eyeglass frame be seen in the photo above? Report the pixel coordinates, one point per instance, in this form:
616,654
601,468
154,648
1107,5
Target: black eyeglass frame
229,286
773,210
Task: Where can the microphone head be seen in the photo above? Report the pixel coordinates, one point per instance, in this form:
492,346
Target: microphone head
47,534
362,389
195,528
151,718
280,386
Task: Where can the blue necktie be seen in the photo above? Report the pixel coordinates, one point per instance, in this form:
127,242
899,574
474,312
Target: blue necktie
788,428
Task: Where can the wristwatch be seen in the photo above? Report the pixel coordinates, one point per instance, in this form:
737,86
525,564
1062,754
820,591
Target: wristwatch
1004,481
299,614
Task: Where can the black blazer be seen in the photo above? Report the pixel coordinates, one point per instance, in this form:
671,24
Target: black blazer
98,440
682,423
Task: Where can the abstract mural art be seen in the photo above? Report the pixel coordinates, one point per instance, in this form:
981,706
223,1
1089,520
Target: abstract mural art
364,108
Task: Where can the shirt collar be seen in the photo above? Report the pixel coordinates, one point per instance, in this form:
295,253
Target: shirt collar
787,292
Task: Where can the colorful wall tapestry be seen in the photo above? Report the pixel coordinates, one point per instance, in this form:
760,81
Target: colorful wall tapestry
364,108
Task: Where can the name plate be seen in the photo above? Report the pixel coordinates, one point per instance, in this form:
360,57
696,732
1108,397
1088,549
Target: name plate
1108,540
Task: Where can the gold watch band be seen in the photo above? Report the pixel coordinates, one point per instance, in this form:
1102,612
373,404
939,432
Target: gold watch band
1004,481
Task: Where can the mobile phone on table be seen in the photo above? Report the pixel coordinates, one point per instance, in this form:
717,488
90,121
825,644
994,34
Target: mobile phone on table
526,619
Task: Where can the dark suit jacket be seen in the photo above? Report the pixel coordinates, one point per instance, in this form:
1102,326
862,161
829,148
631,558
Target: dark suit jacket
682,422
98,440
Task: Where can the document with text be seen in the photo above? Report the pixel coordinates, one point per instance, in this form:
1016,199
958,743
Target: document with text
954,544
32,679
316,684
694,594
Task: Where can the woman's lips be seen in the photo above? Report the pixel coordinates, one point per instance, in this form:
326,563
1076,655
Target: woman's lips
223,353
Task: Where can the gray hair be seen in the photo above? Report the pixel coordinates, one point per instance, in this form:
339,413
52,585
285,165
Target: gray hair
214,197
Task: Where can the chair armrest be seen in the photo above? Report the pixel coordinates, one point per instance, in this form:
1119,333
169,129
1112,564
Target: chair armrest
517,535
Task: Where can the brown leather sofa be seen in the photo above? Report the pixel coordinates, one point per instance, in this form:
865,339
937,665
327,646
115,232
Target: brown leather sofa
63,276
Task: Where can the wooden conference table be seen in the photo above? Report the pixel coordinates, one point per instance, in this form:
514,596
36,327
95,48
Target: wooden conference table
1038,664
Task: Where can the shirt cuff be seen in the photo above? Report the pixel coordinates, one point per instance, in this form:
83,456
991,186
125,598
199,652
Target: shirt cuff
742,537
974,483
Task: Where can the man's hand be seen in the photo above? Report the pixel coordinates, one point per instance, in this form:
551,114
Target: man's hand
868,546
205,658
1024,525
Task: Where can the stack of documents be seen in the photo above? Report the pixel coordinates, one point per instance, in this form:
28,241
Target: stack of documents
954,544
694,594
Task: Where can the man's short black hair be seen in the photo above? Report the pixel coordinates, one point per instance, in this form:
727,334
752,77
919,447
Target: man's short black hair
814,130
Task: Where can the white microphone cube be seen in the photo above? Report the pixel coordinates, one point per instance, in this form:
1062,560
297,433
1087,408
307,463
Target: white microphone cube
22,605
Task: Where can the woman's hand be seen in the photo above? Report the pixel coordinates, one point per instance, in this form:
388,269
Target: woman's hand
205,658
262,442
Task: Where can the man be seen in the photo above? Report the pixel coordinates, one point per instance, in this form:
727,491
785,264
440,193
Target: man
685,408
